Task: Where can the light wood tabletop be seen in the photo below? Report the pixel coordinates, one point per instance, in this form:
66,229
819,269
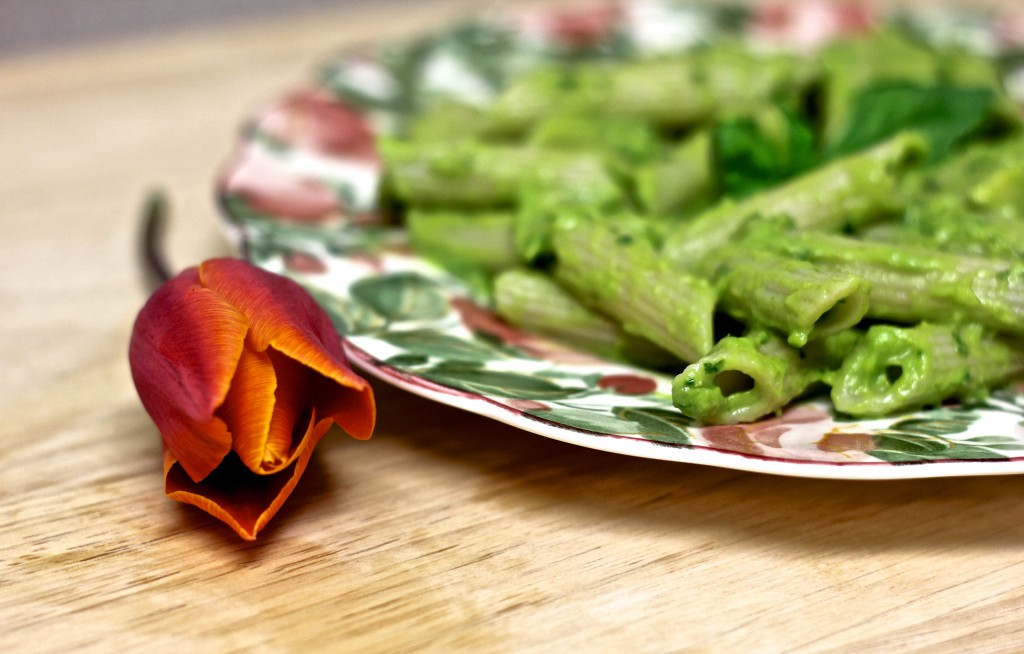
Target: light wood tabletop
445,531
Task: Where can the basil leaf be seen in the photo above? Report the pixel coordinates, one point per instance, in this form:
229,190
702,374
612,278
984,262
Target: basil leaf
756,152
945,115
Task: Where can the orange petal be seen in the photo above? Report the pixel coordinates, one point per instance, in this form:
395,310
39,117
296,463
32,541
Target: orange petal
248,409
232,493
183,351
292,404
281,313
282,402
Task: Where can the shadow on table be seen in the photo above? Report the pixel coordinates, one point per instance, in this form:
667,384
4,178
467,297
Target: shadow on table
317,488
600,486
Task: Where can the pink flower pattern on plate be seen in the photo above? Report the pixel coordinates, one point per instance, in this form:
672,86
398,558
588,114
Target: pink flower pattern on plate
807,25
269,188
315,121
577,28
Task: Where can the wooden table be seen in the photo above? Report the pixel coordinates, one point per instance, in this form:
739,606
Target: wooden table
444,532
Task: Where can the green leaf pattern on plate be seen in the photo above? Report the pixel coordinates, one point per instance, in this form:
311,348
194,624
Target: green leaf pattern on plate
401,297
665,426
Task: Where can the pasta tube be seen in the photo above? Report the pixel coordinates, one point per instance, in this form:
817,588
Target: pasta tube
682,181
743,378
460,174
581,185
911,284
535,302
899,368
797,298
529,99
468,174
688,90
673,92
949,226
457,240
613,268
971,204
846,194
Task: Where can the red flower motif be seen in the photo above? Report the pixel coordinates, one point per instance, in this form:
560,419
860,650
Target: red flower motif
579,28
1009,30
769,432
243,374
730,437
309,121
753,437
268,188
303,262
810,24
315,121
837,441
628,384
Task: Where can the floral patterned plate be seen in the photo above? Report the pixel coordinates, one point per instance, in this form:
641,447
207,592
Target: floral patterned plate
300,197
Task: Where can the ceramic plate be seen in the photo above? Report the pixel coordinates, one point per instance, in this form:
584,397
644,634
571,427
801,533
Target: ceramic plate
300,196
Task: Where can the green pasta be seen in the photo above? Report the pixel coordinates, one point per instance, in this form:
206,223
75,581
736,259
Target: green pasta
691,89
581,185
448,120
529,99
972,204
622,142
611,266
912,283
679,91
534,301
845,194
859,213
461,240
947,225
744,378
795,297
899,368
456,174
683,181
470,174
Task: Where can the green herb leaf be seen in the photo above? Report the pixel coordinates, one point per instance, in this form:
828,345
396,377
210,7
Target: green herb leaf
755,152
945,115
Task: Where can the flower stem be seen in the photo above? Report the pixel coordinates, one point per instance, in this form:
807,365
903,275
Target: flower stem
154,223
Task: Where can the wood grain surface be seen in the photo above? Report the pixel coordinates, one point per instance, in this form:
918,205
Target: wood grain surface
446,531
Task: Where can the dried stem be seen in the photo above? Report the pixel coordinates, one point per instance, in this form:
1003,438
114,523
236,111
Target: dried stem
154,224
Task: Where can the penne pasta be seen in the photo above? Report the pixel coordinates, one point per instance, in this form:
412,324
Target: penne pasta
860,212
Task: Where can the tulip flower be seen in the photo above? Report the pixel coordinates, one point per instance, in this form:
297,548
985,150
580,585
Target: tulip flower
243,373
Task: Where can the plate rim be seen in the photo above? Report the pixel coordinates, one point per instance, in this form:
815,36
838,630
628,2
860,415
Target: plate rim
694,454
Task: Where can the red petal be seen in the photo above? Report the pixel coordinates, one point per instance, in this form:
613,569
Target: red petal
184,348
354,410
232,493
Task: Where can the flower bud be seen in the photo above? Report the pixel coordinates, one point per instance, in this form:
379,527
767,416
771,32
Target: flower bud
243,373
